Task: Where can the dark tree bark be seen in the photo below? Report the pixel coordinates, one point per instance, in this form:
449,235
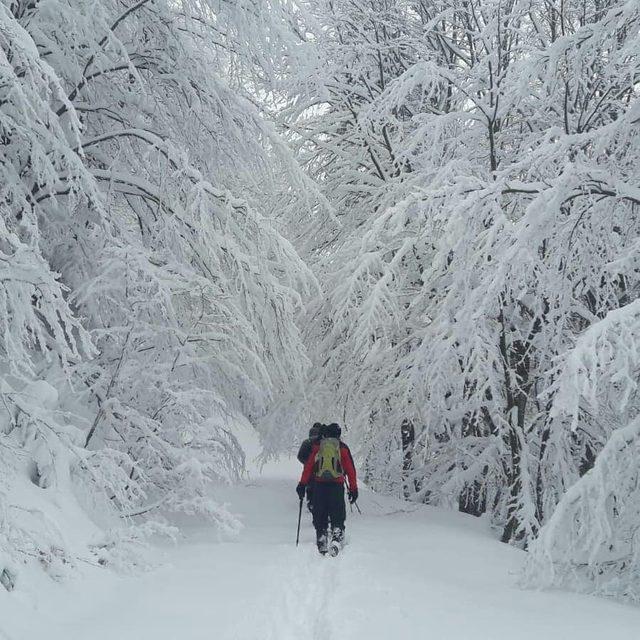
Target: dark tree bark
408,437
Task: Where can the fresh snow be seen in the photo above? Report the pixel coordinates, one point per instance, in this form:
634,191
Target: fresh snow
407,572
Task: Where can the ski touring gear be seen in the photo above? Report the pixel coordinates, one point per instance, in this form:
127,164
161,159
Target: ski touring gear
337,541
300,490
331,543
353,495
299,520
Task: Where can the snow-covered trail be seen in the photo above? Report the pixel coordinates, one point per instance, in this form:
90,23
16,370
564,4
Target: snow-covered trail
407,573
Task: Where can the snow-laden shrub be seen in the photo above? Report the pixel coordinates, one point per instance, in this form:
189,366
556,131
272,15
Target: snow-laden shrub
591,542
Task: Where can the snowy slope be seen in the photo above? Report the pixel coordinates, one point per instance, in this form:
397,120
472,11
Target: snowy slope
406,573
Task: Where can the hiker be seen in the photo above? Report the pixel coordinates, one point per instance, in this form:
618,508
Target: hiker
307,445
326,466
303,454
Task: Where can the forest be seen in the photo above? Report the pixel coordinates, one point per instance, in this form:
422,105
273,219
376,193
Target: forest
417,218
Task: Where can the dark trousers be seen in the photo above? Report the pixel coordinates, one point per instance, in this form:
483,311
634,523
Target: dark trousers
329,507
310,495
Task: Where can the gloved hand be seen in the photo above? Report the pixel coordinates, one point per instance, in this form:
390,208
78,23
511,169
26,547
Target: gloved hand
300,489
353,495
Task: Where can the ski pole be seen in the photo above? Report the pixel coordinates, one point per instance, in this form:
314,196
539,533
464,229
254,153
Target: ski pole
299,519
352,503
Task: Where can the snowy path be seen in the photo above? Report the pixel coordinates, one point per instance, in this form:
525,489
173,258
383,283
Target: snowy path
405,575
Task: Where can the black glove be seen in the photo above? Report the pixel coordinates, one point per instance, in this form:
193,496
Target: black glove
353,495
300,489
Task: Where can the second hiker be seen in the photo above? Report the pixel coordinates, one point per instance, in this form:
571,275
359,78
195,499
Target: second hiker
303,455
326,466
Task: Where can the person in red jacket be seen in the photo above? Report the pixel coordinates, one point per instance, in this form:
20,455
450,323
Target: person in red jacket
303,455
330,460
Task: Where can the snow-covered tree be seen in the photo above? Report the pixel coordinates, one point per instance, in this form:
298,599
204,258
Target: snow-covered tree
144,276
450,302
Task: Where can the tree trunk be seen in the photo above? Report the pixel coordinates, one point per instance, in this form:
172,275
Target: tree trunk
408,436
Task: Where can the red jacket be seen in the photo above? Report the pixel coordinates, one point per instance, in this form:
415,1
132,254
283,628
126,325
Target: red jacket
345,459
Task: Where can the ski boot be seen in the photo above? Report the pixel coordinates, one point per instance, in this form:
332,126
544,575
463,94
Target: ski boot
337,542
322,543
